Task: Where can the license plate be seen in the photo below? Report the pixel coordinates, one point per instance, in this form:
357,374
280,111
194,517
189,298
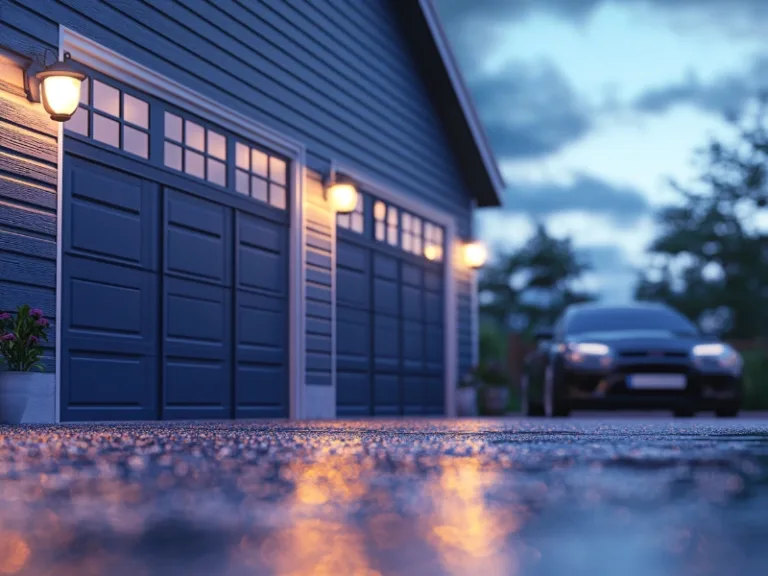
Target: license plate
656,381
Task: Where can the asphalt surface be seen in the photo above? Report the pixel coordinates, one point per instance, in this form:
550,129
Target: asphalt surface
624,497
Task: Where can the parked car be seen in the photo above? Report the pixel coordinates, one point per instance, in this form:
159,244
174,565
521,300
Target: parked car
637,356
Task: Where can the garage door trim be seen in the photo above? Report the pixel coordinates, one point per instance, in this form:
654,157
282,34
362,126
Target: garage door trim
450,317
139,77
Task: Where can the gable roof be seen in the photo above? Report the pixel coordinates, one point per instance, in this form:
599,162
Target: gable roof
429,44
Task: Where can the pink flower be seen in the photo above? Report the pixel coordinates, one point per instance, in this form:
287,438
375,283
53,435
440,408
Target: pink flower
36,312
42,322
5,316
32,340
8,337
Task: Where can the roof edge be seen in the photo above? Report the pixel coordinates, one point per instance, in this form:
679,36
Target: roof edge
464,97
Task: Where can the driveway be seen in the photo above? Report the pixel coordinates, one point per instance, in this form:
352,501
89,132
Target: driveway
591,496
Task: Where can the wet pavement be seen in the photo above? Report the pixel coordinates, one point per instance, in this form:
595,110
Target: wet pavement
624,497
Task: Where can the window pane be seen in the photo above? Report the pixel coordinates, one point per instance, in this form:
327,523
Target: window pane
135,111
194,135
277,170
172,127
379,210
259,162
85,90
136,142
277,196
106,98
172,156
406,221
106,130
217,145
416,228
194,164
392,235
417,246
343,220
217,172
241,182
79,122
392,216
357,222
259,188
242,156
406,242
380,231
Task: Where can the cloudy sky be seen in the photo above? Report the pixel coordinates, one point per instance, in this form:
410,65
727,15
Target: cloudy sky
592,105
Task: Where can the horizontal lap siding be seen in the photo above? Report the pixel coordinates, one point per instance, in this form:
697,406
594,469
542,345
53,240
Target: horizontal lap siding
28,177
319,285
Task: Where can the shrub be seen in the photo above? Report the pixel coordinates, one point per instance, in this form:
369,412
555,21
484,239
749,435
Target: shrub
21,339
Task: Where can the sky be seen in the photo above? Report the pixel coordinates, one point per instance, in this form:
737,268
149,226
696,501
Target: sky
592,106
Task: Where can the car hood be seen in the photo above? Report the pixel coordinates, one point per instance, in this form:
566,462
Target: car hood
638,340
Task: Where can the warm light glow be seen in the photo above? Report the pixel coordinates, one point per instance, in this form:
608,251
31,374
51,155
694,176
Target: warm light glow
475,254
61,96
343,197
432,252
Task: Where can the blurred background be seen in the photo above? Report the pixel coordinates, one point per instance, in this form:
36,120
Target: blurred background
631,134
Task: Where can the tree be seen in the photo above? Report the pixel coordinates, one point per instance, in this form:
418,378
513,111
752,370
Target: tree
529,288
713,256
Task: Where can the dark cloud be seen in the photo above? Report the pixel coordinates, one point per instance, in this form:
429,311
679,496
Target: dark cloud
529,111
586,193
727,95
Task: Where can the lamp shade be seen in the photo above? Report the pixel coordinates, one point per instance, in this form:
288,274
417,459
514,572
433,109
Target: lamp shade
475,254
61,89
343,197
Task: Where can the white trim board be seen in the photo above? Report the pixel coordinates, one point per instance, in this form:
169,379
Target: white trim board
462,93
117,66
451,261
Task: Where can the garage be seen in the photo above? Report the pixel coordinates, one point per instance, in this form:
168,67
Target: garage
389,312
174,265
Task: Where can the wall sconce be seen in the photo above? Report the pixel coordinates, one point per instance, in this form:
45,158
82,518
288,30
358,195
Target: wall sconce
57,86
342,196
475,254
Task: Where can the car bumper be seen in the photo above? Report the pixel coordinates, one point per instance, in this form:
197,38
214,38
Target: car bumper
609,389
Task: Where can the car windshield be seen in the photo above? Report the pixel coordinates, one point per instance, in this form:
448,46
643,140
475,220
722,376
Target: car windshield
630,319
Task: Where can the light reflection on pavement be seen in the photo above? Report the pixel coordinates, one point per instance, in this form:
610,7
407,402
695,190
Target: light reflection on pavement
628,497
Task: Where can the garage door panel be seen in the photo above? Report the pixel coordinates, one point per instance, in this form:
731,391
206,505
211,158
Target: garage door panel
434,347
110,215
433,308
353,339
385,297
412,275
260,386
386,343
386,389
353,392
413,303
353,288
103,379
435,394
413,345
352,257
414,394
197,238
112,307
385,266
433,281
197,384
260,328
262,248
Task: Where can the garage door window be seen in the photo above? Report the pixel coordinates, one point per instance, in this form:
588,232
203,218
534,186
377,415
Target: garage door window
260,175
112,117
195,150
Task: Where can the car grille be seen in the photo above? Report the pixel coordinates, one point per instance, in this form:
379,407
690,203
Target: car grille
648,354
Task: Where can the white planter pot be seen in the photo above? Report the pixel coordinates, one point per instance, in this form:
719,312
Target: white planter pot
466,401
27,397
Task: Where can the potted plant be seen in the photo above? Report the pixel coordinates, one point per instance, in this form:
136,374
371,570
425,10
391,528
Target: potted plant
466,395
27,393
495,382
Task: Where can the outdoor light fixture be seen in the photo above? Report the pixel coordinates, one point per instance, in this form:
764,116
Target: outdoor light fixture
475,254
57,86
341,195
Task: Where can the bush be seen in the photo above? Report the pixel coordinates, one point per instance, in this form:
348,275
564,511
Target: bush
21,339
755,380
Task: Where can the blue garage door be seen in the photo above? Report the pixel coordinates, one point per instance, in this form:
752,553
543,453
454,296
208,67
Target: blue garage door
389,313
174,291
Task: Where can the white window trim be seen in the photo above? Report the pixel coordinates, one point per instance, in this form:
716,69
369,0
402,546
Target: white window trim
452,261
146,80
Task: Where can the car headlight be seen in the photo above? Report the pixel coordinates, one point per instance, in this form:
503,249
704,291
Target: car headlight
717,355
588,352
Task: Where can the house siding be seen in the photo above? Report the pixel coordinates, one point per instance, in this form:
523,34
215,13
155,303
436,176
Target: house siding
336,75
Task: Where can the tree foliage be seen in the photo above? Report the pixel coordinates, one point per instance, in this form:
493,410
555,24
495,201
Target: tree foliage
711,253
528,289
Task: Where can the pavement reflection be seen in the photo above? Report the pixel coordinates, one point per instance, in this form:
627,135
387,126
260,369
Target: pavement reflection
377,498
